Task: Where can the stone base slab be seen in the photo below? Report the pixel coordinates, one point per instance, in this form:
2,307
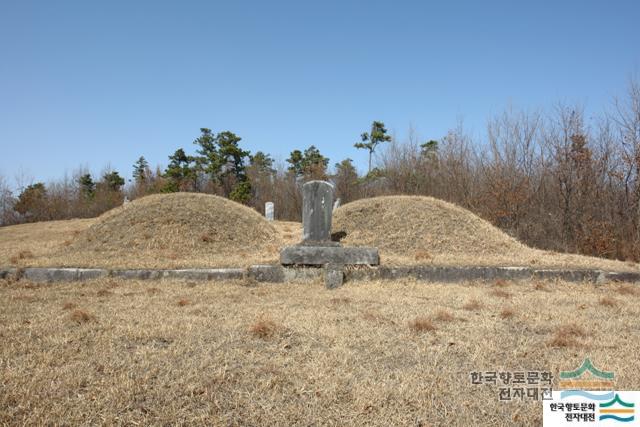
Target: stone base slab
322,255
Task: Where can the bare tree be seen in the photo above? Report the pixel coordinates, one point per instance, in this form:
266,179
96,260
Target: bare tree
7,201
628,119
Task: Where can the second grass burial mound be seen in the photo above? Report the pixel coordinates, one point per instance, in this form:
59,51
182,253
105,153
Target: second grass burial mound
424,230
176,230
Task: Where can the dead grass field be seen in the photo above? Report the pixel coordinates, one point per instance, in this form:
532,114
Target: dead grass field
20,244
375,353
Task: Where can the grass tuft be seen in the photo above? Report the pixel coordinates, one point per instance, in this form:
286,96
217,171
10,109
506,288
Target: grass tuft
422,255
263,328
566,336
422,324
500,283
183,302
500,293
507,313
104,293
82,316
627,290
472,305
539,286
608,302
69,305
444,316
22,255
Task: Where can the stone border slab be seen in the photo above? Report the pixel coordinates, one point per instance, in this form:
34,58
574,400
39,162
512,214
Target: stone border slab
275,273
321,255
460,274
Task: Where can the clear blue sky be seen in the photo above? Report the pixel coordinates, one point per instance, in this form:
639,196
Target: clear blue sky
91,83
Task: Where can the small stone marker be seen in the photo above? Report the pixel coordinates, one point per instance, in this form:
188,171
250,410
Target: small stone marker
336,204
317,205
268,211
333,275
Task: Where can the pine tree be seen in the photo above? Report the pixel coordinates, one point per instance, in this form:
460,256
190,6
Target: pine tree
371,140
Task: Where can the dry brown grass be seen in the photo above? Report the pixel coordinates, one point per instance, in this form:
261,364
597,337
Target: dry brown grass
422,324
290,232
81,316
340,300
507,313
163,231
422,255
404,226
472,305
263,327
539,286
627,290
145,361
40,239
22,255
567,335
69,305
500,293
183,301
444,316
500,283
608,302
187,230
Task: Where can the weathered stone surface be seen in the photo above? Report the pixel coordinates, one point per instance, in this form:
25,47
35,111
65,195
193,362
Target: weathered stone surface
7,272
266,273
568,275
43,274
623,277
91,273
317,206
321,255
460,274
333,272
269,211
137,274
205,274
336,204
333,276
296,274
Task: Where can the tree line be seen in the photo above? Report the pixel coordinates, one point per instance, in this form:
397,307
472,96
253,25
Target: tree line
552,179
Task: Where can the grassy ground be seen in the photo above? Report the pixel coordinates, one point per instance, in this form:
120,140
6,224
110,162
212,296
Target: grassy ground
378,353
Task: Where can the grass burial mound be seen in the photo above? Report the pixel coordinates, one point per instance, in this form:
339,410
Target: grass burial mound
172,231
423,230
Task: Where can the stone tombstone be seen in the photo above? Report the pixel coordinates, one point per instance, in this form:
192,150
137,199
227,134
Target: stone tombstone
268,211
336,204
317,206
